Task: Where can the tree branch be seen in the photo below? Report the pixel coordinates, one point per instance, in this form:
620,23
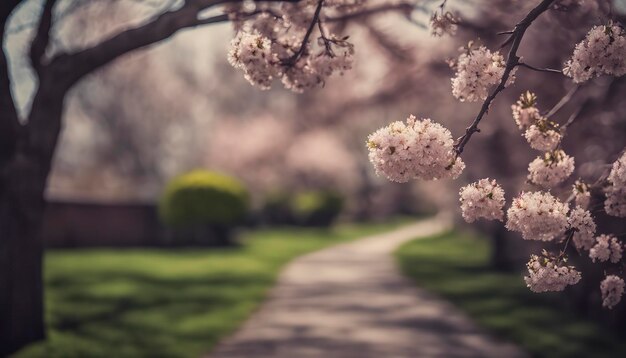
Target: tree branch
42,37
511,61
9,122
568,97
296,56
550,70
70,67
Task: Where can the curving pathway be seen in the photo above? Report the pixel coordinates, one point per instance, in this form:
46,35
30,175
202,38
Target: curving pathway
350,301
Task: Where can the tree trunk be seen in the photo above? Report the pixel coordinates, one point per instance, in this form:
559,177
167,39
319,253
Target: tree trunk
21,286
500,258
22,184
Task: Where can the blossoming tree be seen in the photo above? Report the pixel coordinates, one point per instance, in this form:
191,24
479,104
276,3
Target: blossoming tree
424,150
28,141
301,44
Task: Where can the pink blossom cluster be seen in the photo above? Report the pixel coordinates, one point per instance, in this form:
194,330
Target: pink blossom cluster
482,199
603,51
607,248
612,289
476,71
541,137
548,273
274,45
525,111
420,149
615,203
537,216
581,193
550,169
584,228
443,24
541,133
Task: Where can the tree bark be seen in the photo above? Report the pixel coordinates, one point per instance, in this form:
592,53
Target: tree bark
22,184
21,287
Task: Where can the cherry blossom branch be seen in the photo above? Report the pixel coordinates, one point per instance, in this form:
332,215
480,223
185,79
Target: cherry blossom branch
296,56
511,62
550,70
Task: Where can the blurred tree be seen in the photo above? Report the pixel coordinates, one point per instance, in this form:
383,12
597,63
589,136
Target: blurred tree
28,142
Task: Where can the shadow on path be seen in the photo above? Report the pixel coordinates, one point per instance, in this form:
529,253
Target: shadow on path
350,301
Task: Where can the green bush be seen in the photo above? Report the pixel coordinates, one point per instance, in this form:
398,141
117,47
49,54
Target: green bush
203,203
317,208
276,209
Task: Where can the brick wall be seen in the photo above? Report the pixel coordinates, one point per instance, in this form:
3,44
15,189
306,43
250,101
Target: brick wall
85,224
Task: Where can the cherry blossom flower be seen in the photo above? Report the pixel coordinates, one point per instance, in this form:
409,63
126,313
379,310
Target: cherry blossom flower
581,193
612,288
443,24
537,216
543,136
584,228
419,149
548,273
550,169
603,51
476,71
525,111
615,203
482,199
607,248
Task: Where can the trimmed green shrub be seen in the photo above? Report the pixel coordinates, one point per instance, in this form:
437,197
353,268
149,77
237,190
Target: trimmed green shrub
203,203
317,208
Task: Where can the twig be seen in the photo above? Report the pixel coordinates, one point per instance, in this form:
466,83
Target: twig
294,58
550,70
511,61
568,97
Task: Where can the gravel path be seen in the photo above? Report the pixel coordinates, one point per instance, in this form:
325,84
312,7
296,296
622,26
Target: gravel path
350,301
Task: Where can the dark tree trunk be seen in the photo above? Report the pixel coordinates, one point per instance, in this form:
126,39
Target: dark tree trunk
500,257
21,286
22,184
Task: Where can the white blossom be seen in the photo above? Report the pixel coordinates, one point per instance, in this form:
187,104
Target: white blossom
251,52
482,199
615,203
541,138
443,24
581,193
603,51
419,149
612,288
550,169
537,216
272,45
584,228
476,71
525,111
547,273
607,248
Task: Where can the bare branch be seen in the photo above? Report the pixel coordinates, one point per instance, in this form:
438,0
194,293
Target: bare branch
42,37
563,101
549,70
512,60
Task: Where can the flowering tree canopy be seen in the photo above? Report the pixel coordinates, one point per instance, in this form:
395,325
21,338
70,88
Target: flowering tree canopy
277,45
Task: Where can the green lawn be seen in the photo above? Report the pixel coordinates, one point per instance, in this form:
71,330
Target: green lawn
166,303
454,266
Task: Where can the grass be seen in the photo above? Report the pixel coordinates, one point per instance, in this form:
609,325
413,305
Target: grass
455,266
166,303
